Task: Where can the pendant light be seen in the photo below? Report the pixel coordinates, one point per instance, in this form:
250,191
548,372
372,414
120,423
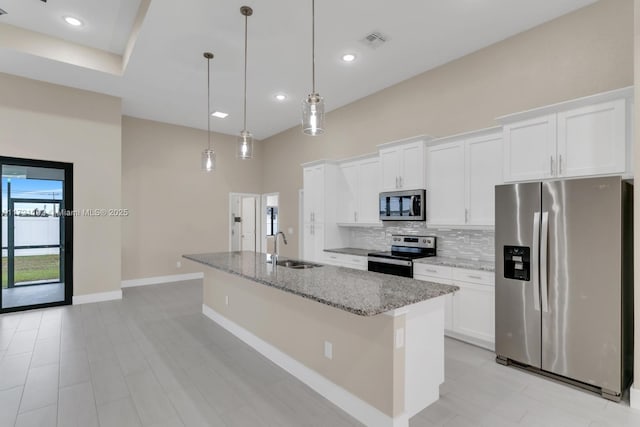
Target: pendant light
208,155
313,105
245,139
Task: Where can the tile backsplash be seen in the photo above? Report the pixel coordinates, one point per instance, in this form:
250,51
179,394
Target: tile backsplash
458,243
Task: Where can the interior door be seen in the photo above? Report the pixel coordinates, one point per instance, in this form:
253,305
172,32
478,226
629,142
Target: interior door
581,329
248,224
518,316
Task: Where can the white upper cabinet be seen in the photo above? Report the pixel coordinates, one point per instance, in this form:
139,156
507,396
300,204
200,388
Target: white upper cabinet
462,172
591,140
358,191
529,149
402,166
587,136
483,168
446,184
314,198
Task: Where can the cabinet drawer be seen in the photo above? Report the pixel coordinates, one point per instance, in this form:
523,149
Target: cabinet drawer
346,260
434,279
437,271
474,276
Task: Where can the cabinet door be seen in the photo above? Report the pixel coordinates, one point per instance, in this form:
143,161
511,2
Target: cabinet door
390,168
448,298
445,184
369,191
474,311
348,193
318,243
308,242
412,167
308,177
530,149
483,172
592,140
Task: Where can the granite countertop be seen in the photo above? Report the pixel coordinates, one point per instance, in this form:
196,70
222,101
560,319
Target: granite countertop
351,251
363,293
458,263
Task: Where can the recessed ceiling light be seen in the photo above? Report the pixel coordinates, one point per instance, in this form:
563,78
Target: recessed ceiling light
281,97
74,22
348,57
220,115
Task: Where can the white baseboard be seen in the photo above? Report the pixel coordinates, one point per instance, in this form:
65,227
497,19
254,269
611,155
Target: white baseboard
98,297
351,404
634,397
161,279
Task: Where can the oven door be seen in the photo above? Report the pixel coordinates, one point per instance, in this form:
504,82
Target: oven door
396,267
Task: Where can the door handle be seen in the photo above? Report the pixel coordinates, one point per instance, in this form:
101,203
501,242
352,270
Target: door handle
544,241
536,261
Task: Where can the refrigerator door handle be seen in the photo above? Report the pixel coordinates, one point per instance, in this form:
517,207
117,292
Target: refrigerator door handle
536,261
544,242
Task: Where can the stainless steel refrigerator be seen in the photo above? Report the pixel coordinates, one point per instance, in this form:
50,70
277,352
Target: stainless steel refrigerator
564,280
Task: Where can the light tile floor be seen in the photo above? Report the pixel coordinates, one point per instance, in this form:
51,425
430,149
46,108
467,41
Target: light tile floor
153,359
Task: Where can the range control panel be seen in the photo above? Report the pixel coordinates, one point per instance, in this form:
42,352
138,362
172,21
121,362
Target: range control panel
517,263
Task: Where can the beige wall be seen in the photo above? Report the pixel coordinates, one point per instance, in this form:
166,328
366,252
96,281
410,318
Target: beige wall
582,53
365,361
175,208
48,122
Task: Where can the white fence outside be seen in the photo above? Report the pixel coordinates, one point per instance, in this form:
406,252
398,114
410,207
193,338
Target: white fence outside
32,231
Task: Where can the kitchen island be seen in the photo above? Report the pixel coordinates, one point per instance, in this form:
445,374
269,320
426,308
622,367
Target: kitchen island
371,343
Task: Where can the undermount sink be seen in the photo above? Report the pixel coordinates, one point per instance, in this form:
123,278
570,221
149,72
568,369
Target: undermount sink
295,263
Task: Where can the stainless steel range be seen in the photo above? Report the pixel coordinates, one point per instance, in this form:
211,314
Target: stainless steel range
404,249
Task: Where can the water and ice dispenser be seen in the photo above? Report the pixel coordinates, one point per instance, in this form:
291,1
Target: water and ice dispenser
517,262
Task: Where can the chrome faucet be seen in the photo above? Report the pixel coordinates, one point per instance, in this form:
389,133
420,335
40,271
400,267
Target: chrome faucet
284,239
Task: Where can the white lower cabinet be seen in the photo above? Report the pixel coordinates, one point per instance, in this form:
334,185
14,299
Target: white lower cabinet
469,312
345,260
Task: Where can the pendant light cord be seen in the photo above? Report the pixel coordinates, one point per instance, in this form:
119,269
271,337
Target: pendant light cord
313,45
209,103
245,72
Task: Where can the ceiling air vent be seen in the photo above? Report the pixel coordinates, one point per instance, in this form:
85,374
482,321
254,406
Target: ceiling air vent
374,39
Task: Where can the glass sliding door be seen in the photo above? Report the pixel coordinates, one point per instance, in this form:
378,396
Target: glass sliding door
37,205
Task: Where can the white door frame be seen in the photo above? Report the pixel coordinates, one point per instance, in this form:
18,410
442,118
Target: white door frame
263,217
257,213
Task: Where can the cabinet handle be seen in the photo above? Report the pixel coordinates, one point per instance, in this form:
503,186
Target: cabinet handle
401,182
396,182
551,165
466,216
430,271
474,277
333,257
560,165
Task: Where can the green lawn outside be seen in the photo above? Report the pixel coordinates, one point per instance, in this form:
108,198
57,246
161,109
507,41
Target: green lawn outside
36,267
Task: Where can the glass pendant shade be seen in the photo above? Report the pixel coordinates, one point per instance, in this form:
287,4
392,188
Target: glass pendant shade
208,160
313,115
244,147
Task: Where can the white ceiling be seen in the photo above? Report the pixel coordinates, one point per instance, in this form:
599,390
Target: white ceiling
165,78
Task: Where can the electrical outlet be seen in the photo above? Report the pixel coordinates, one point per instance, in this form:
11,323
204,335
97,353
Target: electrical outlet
328,350
179,264
226,300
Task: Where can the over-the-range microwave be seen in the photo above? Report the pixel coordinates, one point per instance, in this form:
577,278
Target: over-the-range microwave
403,205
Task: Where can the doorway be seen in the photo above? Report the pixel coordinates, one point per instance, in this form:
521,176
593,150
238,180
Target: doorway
244,227
36,234
269,217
